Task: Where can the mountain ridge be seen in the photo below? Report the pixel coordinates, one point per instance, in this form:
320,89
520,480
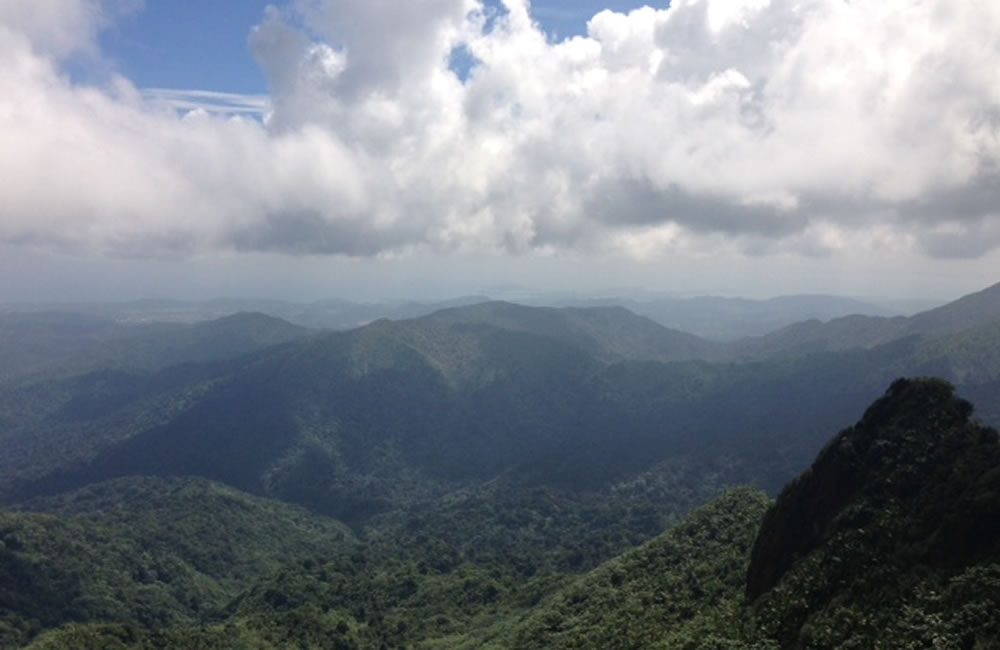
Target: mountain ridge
975,310
905,501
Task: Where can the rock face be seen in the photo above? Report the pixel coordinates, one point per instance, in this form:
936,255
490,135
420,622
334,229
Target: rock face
912,490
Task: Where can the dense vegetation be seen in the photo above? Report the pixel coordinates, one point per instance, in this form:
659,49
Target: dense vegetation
892,538
659,595
502,477
889,540
148,551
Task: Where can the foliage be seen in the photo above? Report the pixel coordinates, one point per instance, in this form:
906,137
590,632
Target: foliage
148,552
891,538
504,489
636,600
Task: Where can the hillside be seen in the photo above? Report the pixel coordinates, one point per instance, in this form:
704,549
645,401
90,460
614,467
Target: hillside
710,317
892,538
149,551
39,344
328,314
32,342
889,540
729,319
974,311
53,344
507,473
361,422
607,333
653,596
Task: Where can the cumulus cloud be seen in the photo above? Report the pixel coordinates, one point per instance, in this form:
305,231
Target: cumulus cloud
58,28
814,125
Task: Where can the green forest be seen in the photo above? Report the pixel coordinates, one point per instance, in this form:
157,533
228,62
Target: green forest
499,476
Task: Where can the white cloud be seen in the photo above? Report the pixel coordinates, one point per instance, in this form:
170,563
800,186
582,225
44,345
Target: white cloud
771,126
60,28
210,101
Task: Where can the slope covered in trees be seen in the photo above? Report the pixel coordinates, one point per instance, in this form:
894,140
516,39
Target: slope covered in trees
39,345
892,537
889,540
357,423
150,552
976,311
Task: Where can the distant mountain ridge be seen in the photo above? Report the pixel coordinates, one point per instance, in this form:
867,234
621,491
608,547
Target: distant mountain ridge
610,334
611,329
729,319
613,333
711,317
976,310
460,395
39,344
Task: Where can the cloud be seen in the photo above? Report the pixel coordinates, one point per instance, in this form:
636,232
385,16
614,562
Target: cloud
209,101
59,28
769,125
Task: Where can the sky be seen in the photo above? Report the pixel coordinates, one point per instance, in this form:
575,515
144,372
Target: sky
379,149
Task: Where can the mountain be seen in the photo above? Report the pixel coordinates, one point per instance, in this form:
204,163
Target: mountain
31,342
714,318
366,421
649,597
511,477
47,344
323,314
729,319
892,537
417,407
814,336
607,333
977,310
158,345
610,329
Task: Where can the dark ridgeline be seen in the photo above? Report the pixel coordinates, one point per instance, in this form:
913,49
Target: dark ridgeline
894,512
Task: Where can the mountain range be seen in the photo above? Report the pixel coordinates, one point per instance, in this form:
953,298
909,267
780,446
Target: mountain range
495,475
712,317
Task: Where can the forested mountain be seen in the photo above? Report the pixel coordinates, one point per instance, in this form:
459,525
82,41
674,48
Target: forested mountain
321,314
31,342
892,537
889,540
729,319
35,345
606,333
711,317
359,422
491,476
974,311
